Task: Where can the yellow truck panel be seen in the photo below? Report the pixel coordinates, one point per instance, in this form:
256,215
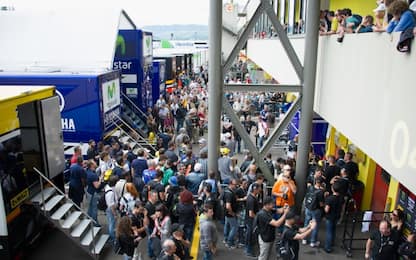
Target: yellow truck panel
12,96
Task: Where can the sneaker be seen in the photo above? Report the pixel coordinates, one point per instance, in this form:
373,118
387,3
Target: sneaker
241,245
230,246
224,242
251,255
316,244
304,242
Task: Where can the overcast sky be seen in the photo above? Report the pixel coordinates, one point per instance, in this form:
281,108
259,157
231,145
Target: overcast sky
143,12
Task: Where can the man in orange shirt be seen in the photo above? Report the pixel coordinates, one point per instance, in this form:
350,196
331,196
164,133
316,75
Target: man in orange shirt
285,189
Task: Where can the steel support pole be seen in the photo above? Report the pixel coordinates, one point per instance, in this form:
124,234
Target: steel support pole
247,141
284,39
308,94
215,83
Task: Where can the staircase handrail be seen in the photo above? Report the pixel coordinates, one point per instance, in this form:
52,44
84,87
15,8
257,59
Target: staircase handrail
134,105
131,129
63,194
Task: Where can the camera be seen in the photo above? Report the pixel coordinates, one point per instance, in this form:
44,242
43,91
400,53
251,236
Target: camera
285,196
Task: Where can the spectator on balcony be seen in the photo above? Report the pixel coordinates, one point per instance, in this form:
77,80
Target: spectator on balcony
366,26
402,17
380,21
335,22
351,22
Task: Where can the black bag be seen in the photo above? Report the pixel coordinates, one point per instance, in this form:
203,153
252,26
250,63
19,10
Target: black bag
311,198
101,203
283,249
117,247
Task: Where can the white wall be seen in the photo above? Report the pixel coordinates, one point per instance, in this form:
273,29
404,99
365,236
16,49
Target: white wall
367,90
270,55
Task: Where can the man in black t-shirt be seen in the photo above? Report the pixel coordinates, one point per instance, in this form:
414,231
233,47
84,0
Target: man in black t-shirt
266,226
351,167
332,208
292,234
331,171
383,243
252,207
149,216
231,223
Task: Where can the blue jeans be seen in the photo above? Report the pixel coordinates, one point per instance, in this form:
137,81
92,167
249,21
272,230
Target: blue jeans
330,233
150,252
111,219
315,215
261,141
189,231
230,230
92,207
249,236
207,255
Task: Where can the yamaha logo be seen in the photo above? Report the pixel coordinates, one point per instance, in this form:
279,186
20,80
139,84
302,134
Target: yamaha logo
61,101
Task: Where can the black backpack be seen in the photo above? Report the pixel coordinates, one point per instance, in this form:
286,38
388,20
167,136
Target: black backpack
311,198
283,248
101,203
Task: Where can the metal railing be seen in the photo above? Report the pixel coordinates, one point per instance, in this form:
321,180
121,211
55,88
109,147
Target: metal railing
136,108
352,219
135,132
43,177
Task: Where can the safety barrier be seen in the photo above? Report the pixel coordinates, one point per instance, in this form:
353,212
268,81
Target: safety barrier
353,219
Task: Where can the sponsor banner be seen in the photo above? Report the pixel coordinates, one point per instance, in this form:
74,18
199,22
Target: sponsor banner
129,79
111,94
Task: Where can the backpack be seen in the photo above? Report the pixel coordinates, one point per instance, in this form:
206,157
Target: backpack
101,203
283,249
311,198
359,19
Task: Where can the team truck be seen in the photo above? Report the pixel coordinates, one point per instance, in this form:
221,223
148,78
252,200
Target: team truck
30,136
89,102
158,80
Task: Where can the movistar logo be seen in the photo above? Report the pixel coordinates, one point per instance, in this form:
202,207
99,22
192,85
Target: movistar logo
121,43
148,42
111,89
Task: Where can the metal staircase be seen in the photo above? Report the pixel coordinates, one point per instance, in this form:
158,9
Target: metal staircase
69,218
134,116
126,134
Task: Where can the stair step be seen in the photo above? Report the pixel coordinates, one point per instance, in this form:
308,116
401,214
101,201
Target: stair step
47,193
88,238
71,219
53,202
124,139
80,228
99,245
117,133
61,211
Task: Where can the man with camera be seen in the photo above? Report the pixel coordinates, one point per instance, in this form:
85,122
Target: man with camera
265,225
285,189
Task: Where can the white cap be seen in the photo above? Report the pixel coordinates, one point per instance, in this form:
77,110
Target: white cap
380,8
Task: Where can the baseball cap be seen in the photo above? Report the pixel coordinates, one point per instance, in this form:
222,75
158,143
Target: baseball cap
173,181
380,8
291,215
177,227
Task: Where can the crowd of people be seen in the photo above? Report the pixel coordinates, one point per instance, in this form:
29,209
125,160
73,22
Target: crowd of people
389,16
159,197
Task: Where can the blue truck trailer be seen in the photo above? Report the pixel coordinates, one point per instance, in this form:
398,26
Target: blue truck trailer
89,102
134,58
158,80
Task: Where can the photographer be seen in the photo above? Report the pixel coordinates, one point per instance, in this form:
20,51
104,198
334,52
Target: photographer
291,236
265,226
285,189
